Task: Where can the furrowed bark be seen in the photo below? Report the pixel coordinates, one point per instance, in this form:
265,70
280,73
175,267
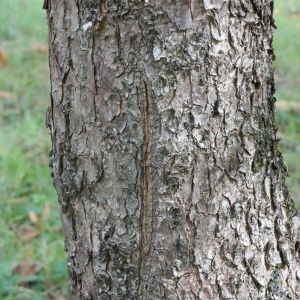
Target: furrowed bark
165,155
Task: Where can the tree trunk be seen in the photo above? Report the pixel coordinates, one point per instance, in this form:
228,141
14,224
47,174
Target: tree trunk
165,156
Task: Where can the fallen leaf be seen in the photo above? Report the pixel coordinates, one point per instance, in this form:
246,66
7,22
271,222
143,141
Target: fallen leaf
28,232
34,219
5,95
3,58
26,269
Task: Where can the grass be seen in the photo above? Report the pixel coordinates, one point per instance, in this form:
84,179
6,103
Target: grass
287,75
32,259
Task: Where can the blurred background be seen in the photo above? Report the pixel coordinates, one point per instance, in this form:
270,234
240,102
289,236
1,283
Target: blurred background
32,259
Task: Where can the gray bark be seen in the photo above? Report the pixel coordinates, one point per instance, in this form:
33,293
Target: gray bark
165,156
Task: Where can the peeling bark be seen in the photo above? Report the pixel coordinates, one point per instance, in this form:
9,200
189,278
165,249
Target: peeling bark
165,156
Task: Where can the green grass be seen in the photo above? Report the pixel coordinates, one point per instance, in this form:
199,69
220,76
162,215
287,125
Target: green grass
287,50
25,184
30,223
287,46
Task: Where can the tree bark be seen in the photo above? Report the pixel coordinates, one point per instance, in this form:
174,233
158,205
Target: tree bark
165,157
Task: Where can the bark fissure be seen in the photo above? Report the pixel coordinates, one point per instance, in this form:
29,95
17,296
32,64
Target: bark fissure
146,200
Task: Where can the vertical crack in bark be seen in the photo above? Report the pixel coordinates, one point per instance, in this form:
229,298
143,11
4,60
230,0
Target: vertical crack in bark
146,216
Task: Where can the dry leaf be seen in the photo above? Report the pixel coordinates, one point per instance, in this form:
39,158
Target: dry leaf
28,232
5,95
3,58
26,269
34,219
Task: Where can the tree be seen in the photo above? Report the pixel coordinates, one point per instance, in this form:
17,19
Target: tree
165,157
